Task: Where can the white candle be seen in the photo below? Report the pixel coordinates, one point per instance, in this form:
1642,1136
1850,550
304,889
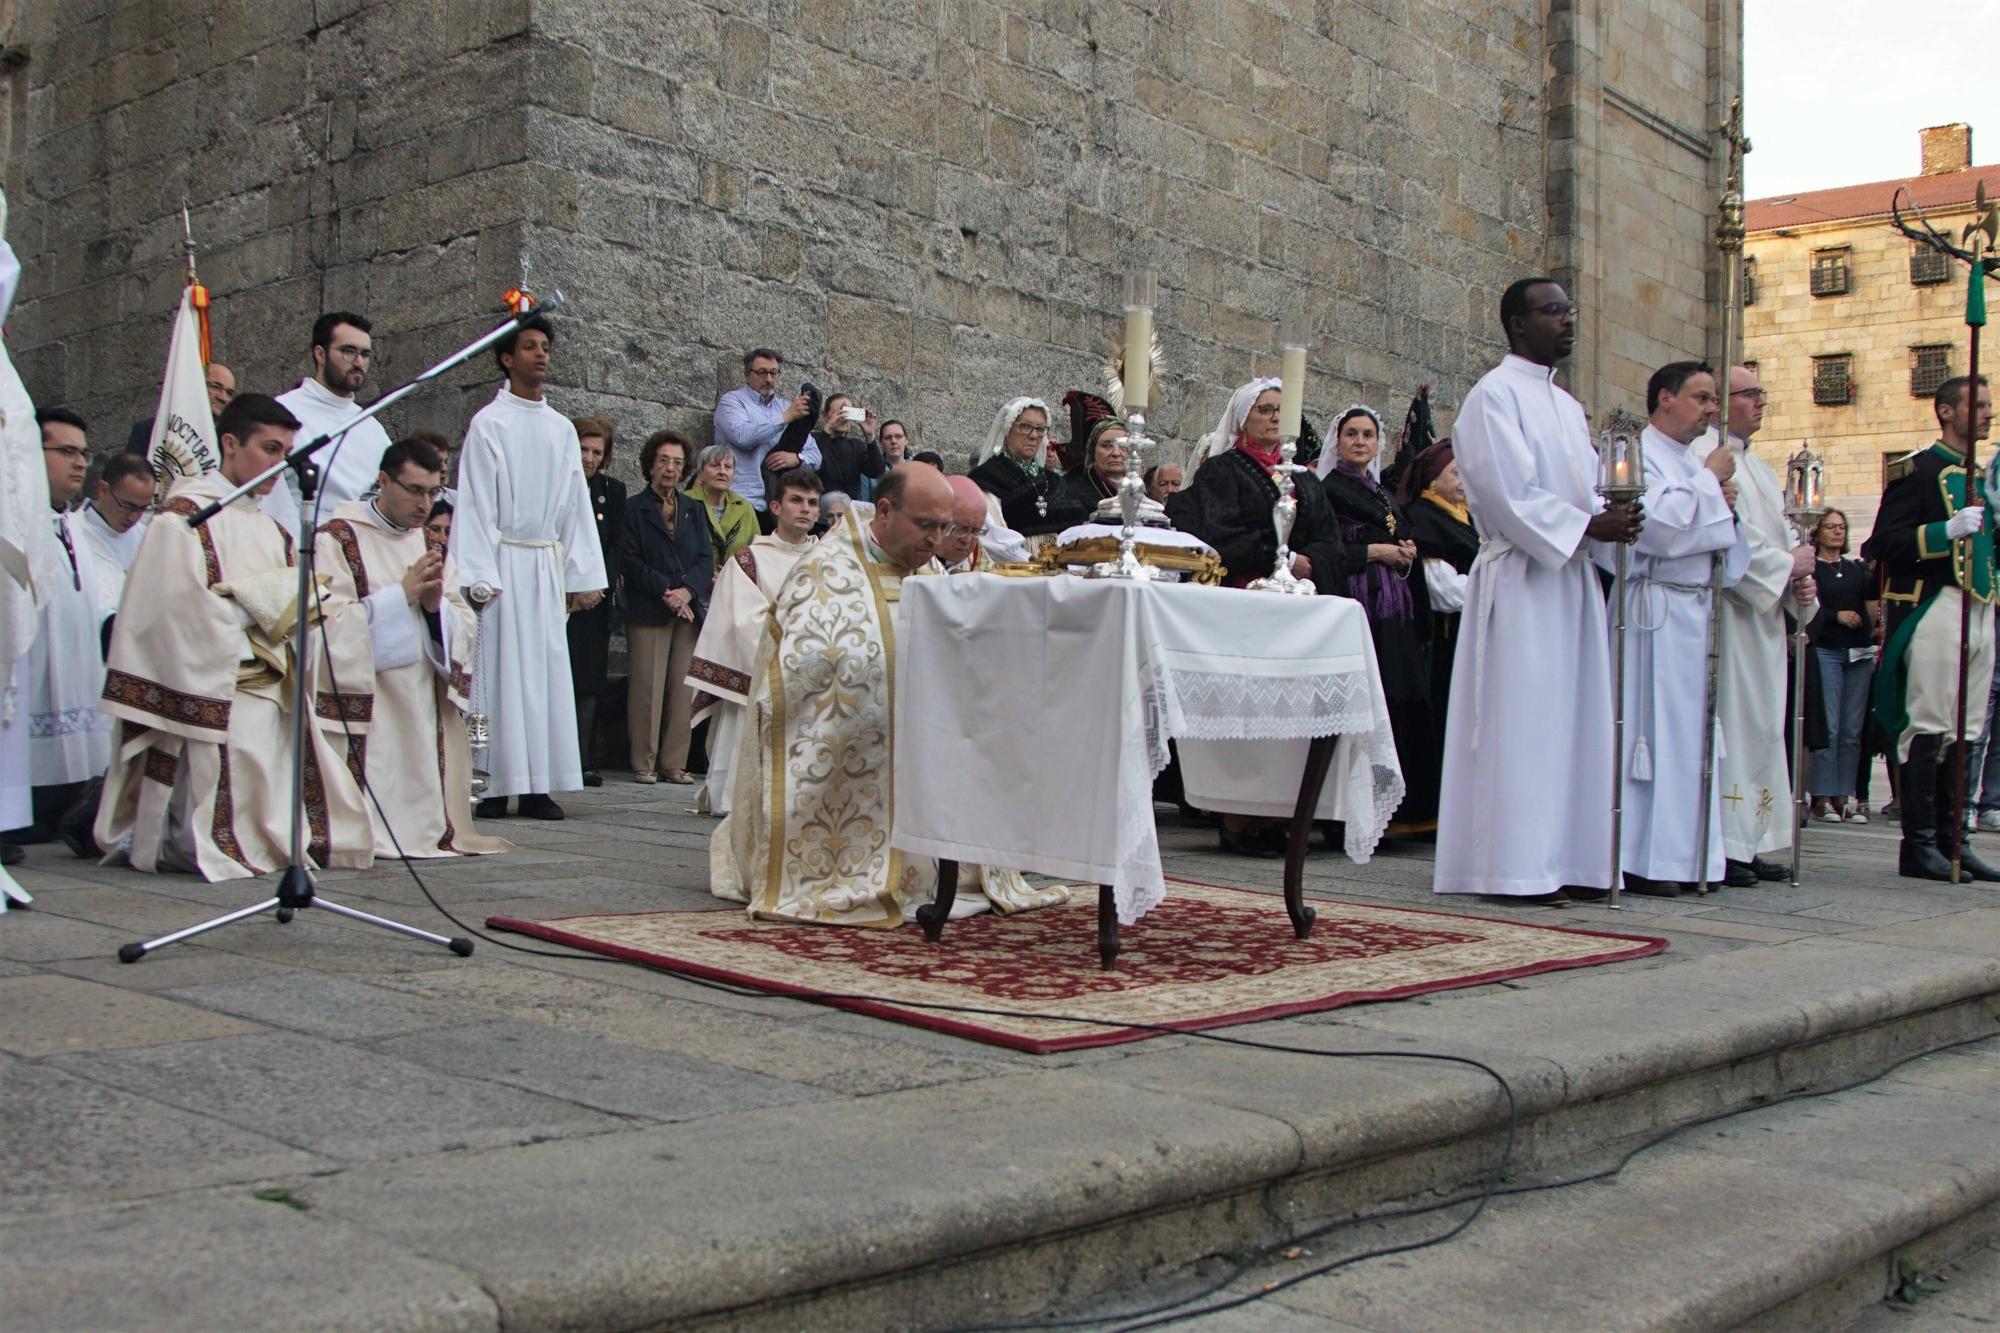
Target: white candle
1291,391
1138,357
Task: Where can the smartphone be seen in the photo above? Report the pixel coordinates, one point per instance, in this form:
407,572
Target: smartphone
853,414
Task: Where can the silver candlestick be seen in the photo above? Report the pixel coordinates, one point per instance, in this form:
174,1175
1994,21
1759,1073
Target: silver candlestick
1130,506
1283,514
478,731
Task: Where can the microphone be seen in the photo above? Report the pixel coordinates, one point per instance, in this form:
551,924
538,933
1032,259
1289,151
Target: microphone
555,301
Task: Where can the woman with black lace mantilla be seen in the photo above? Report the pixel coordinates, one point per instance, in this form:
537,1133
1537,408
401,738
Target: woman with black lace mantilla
1011,465
1384,564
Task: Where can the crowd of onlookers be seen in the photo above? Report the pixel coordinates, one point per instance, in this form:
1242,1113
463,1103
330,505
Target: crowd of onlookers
700,505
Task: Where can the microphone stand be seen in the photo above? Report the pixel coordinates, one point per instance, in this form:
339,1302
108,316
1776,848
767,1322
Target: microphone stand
295,885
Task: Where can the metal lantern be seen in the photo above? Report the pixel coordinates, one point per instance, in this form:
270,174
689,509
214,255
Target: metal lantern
1805,489
1621,461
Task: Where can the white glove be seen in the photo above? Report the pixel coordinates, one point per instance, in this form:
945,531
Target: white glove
1965,522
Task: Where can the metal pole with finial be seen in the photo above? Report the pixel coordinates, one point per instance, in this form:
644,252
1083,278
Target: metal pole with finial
1729,242
197,294
1979,237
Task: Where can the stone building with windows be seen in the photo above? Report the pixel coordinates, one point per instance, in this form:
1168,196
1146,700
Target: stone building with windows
1852,325
929,205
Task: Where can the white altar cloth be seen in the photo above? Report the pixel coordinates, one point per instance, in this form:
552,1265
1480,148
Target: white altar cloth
1032,715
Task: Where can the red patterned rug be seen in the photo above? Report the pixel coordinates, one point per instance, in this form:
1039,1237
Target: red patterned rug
1207,957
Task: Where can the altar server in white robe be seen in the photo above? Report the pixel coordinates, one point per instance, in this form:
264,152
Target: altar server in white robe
343,349
1524,808
738,622
1689,519
113,524
1751,685
69,737
525,542
31,563
413,758
807,834
201,679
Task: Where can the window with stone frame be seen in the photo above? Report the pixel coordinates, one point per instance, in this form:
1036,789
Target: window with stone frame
1833,379
1930,366
1749,281
1928,267
1829,272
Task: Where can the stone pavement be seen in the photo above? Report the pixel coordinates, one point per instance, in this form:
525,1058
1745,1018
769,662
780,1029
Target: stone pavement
322,1124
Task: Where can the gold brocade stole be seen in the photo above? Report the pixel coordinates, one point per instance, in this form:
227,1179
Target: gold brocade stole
876,599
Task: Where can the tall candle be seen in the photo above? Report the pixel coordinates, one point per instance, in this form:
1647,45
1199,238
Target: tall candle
1138,357
1291,391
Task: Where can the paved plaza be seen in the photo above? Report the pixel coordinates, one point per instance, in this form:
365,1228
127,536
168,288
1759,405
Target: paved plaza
322,1125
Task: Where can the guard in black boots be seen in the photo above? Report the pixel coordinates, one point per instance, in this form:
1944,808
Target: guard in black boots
1934,543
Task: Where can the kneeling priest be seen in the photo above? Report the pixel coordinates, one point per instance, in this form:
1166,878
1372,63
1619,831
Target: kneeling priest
201,681
807,834
411,750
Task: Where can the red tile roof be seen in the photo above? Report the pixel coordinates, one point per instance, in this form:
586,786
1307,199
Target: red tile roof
1867,201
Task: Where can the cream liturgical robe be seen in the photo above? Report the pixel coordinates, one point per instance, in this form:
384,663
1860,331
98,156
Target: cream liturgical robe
69,737
200,683
737,623
807,834
525,526
414,754
1525,803
1751,686
1666,660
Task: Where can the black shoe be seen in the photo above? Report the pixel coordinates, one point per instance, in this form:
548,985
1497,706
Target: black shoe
1578,893
75,826
1740,874
1250,841
1651,888
1769,870
1918,858
1558,898
592,778
493,807
538,806
11,855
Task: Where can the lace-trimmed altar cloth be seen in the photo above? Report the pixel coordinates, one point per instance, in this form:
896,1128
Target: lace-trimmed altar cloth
1031,716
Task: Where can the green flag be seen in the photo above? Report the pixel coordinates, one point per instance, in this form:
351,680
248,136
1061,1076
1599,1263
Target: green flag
1975,296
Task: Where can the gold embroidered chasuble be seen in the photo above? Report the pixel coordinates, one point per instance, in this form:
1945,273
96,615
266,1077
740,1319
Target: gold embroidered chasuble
414,753
199,681
807,834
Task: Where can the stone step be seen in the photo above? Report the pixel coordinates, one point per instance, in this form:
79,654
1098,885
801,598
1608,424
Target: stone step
1800,1216
1049,1185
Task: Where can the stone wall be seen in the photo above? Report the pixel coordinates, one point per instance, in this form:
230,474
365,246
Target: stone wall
929,204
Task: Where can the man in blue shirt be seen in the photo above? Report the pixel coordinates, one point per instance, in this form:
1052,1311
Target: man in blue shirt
758,426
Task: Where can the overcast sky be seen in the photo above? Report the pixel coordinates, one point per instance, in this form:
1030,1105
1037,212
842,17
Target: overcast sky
1836,90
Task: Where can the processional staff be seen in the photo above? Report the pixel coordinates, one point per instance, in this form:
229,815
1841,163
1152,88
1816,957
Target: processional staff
1621,480
1976,247
1729,242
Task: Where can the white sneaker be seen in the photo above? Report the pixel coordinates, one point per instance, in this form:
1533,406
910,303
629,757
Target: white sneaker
1858,815
1829,816
1989,820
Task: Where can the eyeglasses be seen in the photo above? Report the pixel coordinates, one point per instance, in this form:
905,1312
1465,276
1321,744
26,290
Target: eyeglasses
1032,432
938,527
353,353
1558,309
417,492
69,451
130,508
1754,395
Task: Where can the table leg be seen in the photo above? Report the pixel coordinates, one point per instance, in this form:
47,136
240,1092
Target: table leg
1319,758
933,914
1107,927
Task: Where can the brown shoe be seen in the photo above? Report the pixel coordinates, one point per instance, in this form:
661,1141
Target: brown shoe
643,776
680,777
